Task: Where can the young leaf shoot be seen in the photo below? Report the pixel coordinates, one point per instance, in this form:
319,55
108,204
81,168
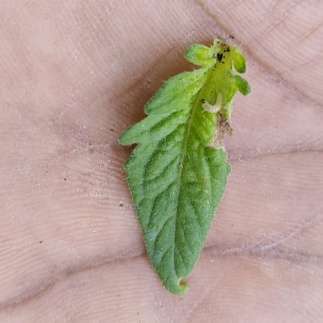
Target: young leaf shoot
178,171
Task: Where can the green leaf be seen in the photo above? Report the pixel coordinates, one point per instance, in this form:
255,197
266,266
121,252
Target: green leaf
175,174
200,55
242,85
239,61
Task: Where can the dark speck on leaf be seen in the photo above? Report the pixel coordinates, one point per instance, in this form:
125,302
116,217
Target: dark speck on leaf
203,100
121,204
231,36
65,179
111,129
219,56
41,241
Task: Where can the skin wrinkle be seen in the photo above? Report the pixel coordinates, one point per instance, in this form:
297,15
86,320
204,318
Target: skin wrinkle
267,250
251,155
312,31
276,153
272,254
281,20
42,289
277,253
313,60
263,246
266,67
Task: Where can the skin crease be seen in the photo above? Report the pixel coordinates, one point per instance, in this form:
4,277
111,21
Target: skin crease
73,75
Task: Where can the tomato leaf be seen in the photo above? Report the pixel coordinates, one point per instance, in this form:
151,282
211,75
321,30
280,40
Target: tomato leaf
178,171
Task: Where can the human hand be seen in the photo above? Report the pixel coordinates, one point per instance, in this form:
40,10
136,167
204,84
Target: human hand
74,75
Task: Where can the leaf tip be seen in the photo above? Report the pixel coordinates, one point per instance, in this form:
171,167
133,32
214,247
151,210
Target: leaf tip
126,138
242,85
200,55
177,286
239,61
182,287
122,141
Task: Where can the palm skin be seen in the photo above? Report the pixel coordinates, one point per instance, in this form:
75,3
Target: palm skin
74,75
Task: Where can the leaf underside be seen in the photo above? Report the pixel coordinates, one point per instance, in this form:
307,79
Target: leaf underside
175,175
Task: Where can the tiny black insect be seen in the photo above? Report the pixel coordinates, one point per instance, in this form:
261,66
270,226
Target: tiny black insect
219,56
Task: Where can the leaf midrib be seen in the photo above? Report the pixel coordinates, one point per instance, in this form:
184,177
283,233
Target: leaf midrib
183,155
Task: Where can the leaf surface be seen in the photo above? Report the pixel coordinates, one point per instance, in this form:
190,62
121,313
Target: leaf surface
178,171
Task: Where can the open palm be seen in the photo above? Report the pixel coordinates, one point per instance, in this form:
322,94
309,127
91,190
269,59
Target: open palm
74,75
